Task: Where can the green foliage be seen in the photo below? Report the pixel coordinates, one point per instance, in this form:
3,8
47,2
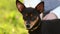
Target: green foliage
11,21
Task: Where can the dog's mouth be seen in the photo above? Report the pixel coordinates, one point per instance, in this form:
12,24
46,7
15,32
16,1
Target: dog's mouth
28,28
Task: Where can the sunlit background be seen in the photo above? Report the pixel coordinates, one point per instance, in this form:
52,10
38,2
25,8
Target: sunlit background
11,21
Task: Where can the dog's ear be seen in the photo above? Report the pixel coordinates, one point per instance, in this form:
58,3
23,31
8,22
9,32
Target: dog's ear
20,5
40,7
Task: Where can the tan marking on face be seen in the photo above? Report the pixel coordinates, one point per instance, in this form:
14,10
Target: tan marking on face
26,14
31,15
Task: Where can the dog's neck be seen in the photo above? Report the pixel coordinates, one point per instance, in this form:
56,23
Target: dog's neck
36,28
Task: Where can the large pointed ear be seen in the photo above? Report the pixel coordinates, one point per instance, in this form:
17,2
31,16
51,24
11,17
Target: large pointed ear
20,5
40,6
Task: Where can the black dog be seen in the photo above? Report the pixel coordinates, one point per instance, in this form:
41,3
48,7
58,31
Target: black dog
33,22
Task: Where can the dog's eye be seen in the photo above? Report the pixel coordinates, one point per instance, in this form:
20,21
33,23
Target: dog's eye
25,18
26,15
33,18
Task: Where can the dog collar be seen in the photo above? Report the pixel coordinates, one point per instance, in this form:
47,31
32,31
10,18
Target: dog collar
35,27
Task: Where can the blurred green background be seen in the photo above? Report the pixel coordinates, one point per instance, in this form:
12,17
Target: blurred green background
11,21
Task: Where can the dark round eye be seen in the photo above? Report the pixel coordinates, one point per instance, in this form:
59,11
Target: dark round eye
33,18
25,18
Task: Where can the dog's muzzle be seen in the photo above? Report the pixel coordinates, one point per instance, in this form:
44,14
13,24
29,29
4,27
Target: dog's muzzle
28,25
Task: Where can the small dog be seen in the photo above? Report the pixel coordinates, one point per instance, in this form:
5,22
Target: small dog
33,22
31,16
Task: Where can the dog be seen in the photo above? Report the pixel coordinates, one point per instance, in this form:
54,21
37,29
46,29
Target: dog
33,22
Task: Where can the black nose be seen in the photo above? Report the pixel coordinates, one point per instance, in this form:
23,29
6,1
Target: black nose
28,26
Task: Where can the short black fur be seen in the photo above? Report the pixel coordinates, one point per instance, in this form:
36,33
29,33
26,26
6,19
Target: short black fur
43,26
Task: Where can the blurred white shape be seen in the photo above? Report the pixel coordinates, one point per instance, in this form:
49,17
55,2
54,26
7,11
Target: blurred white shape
31,3
56,11
13,30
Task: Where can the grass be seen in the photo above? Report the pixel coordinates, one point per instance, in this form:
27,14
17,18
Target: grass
11,21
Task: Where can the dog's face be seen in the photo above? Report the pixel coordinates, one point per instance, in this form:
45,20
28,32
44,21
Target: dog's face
30,15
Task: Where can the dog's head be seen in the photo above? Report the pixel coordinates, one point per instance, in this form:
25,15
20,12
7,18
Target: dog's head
30,15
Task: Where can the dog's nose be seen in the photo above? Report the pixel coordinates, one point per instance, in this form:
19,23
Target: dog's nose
28,26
